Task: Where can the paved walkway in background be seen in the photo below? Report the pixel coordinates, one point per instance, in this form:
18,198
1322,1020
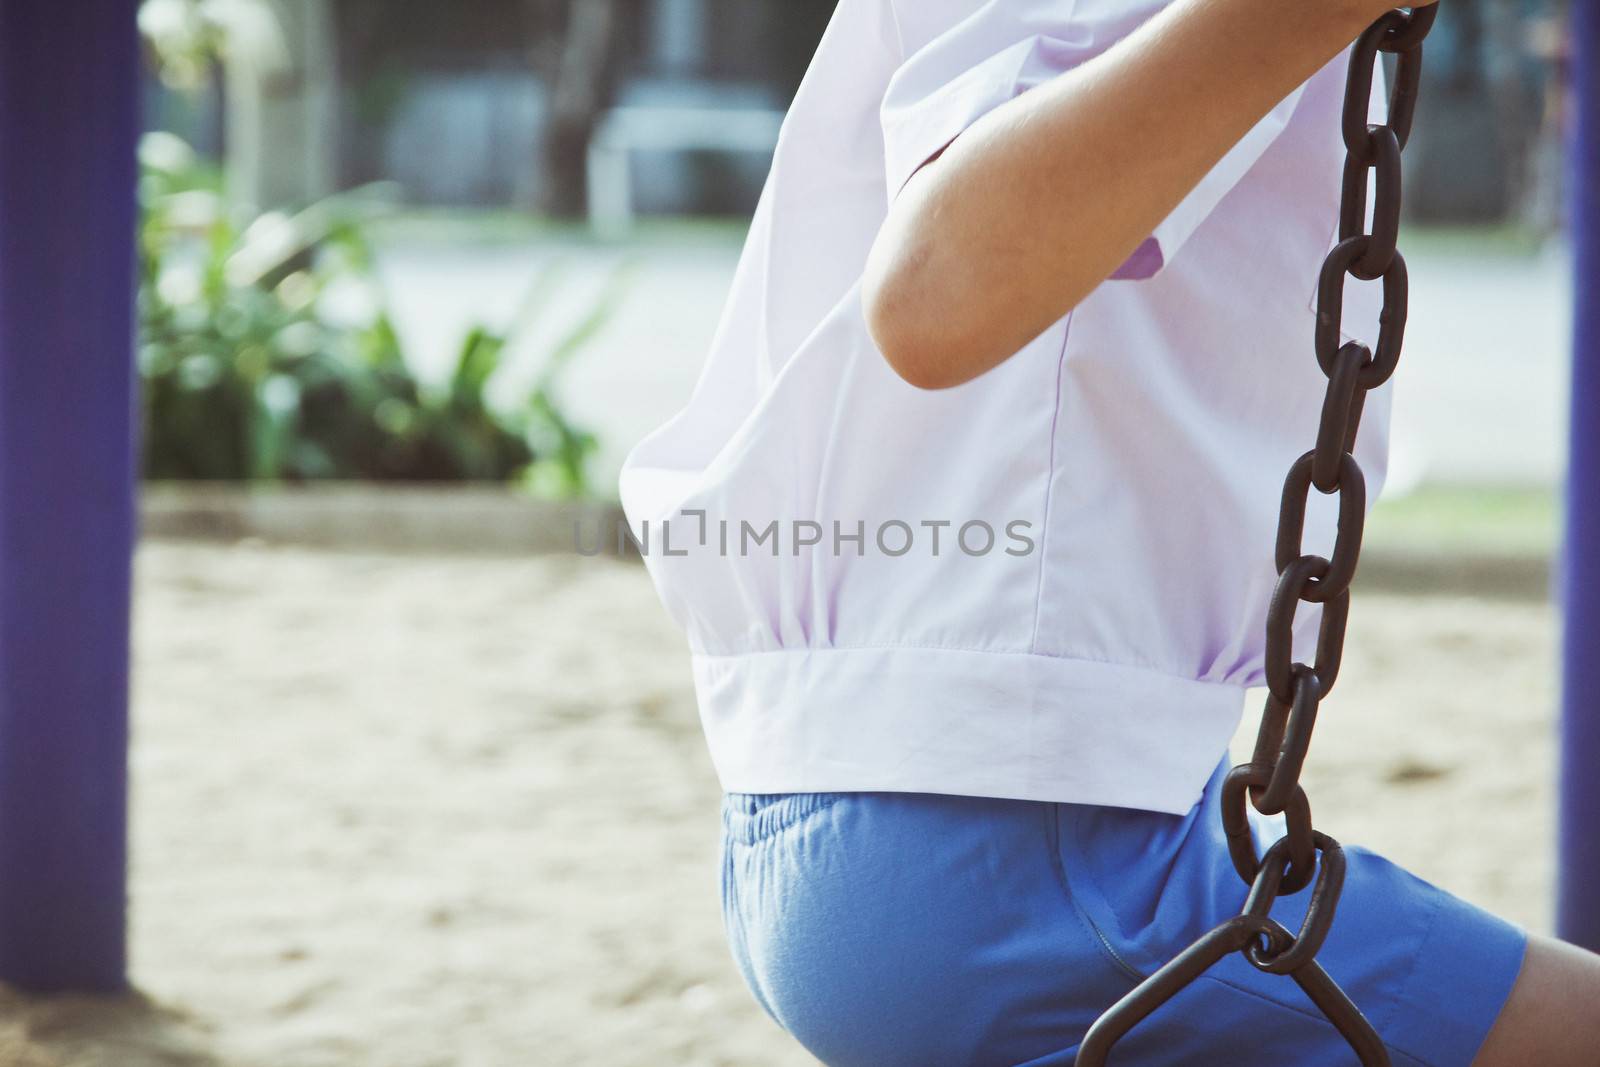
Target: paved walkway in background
1481,393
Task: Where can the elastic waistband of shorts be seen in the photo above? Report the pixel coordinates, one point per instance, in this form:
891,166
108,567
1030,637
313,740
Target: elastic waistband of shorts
751,817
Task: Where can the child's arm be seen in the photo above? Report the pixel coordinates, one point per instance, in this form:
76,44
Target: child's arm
1042,199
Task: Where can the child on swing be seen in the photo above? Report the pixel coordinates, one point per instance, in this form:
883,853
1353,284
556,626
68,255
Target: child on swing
971,517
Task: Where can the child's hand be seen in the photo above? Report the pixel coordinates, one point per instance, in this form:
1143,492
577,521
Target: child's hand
1381,8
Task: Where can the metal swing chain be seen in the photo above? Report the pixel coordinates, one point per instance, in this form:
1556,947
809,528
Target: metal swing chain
1271,780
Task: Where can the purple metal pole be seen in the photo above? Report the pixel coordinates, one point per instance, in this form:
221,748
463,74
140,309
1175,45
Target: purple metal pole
1578,898
68,129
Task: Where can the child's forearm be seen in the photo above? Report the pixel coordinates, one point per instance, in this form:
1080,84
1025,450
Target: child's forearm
1043,198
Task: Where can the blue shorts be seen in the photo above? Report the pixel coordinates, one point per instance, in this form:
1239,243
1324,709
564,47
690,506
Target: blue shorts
887,929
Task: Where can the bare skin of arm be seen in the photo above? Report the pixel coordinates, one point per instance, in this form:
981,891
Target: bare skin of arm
1130,132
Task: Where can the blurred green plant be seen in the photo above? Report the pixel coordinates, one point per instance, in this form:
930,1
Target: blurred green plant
185,38
266,352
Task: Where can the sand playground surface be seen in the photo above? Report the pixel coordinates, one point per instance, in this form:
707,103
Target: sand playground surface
417,811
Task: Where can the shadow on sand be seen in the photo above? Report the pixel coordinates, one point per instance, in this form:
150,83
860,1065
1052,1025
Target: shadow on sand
77,1031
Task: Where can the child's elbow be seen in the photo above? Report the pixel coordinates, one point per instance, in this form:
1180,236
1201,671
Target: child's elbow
921,344
937,327
915,357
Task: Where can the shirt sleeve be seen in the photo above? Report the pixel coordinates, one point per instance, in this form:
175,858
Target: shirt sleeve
1007,47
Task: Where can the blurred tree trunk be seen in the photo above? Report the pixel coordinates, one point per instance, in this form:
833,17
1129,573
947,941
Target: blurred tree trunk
1516,106
281,93
581,94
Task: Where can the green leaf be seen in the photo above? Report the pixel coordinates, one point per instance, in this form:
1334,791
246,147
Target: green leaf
479,356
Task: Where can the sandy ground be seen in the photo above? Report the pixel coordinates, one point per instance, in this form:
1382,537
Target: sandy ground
427,812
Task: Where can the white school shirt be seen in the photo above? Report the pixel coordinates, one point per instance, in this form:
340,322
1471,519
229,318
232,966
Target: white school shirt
817,525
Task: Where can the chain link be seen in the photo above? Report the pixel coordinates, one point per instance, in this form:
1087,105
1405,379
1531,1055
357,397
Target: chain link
1270,782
